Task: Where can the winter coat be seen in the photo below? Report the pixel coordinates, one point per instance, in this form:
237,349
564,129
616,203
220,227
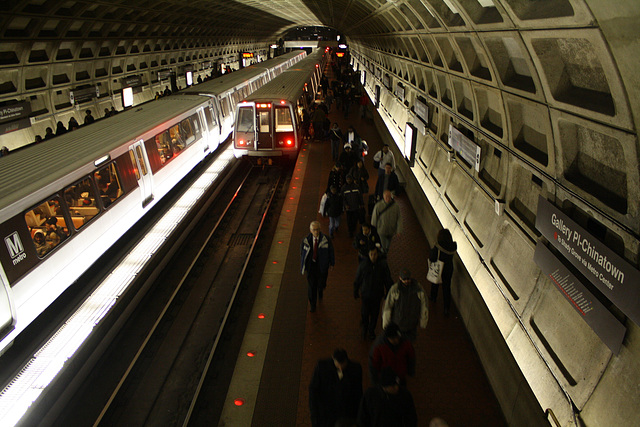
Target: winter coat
373,280
360,177
401,358
326,255
333,207
332,398
406,306
363,248
387,218
352,197
393,184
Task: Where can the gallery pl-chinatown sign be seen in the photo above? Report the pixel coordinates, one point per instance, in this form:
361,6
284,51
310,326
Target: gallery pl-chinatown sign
14,117
616,278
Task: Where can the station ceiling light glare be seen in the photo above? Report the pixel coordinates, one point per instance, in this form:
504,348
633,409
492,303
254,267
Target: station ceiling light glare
48,361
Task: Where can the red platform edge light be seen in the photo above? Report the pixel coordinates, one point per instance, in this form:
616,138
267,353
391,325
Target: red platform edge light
261,316
268,286
251,353
238,402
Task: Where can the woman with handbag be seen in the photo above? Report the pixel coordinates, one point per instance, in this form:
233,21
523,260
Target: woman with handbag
441,267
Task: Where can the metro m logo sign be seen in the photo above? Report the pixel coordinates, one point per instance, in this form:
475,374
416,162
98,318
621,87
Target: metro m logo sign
15,248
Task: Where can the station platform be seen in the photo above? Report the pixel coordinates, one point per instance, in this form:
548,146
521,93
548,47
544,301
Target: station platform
449,383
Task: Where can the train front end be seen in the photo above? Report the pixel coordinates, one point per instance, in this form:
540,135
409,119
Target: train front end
265,130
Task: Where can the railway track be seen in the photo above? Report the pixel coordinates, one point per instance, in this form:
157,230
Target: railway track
157,366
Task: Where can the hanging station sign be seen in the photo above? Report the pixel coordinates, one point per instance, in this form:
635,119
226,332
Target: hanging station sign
15,116
616,278
468,150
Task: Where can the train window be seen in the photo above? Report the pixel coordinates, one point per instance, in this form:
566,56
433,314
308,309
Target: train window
47,225
81,200
164,146
208,115
283,120
177,139
245,120
264,122
108,184
225,107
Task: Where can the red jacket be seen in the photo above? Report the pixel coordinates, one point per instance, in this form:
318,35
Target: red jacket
400,358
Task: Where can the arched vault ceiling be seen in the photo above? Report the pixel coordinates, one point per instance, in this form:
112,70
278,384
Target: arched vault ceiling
578,56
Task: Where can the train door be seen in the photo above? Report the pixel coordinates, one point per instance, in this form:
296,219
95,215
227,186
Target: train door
213,128
265,130
143,173
245,128
6,313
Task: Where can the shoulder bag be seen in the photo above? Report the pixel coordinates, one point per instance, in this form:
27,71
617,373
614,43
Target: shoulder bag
435,270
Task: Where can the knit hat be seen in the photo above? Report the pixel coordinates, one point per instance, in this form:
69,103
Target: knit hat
405,274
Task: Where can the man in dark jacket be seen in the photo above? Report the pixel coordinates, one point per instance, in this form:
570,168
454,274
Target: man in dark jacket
373,280
387,404
316,256
367,237
387,181
335,391
333,208
353,204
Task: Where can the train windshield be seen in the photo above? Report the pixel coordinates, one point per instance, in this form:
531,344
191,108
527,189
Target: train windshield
245,120
284,122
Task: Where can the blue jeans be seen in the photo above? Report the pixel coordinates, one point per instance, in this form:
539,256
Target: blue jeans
334,223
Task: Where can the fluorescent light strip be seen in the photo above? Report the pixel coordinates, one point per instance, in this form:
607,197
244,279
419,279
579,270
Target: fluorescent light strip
48,361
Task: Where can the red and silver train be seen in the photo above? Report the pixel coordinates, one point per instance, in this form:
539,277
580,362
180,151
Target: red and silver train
64,202
268,122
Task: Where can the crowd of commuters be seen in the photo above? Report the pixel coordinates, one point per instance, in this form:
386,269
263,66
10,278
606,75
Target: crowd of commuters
336,397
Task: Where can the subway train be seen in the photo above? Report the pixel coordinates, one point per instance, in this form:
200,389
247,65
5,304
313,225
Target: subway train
67,200
268,122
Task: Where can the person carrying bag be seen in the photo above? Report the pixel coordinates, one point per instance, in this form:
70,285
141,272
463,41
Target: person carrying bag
441,267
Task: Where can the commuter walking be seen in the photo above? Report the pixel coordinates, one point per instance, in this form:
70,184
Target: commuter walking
392,350
353,204
336,137
333,208
335,391
406,306
361,176
373,280
382,157
443,251
363,241
387,181
316,256
386,219
387,404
